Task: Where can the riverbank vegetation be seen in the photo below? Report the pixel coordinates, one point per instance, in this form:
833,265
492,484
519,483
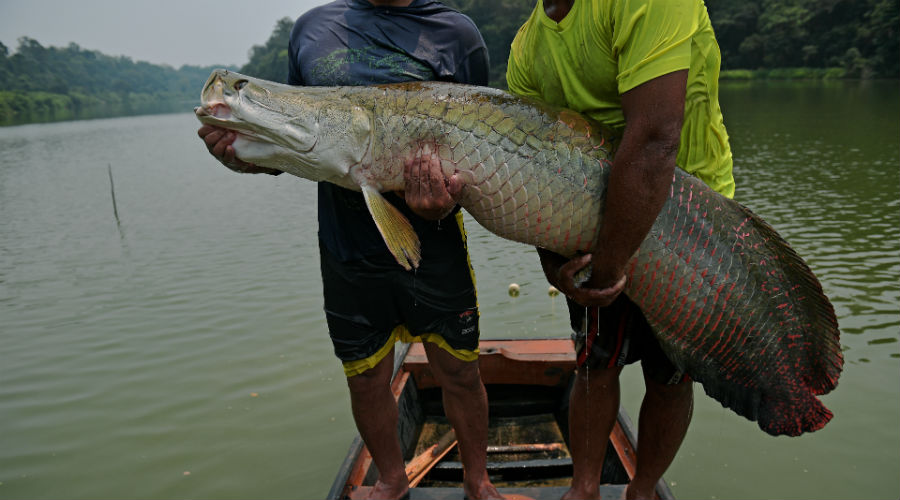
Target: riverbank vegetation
768,39
763,39
40,83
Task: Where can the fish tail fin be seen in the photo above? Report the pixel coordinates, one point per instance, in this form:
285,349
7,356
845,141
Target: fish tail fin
816,356
785,417
785,411
799,334
768,346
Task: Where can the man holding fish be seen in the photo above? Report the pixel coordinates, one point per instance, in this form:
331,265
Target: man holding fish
370,301
649,70
612,157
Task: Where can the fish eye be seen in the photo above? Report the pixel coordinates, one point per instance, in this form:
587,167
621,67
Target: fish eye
238,85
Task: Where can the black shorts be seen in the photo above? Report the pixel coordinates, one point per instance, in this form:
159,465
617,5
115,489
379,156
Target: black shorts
619,335
372,302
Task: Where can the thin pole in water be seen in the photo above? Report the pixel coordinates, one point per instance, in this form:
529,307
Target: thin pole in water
112,191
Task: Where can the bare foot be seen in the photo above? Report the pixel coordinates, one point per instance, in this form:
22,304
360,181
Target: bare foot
581,494
384,491
484,491
636,494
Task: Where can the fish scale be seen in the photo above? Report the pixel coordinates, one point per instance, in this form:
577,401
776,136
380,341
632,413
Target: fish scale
732,305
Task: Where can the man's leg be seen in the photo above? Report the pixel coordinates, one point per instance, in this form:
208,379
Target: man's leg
593,407
466,405
665,415
375,413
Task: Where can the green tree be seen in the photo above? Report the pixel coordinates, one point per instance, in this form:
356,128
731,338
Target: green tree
498,21
48,83
877,38
270,61
860,36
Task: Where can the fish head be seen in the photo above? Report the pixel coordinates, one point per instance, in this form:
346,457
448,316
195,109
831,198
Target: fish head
305,131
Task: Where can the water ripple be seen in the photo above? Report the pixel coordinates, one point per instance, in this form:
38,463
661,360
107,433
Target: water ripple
183,352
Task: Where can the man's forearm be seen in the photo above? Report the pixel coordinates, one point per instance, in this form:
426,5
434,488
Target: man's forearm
638,187
641,173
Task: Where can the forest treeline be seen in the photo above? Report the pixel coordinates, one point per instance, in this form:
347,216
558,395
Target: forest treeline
777,38
766,38
40,83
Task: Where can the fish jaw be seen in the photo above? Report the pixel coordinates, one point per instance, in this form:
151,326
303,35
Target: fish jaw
280,126
216,99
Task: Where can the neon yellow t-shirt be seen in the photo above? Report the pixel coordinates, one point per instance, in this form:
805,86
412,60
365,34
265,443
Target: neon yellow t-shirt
604,48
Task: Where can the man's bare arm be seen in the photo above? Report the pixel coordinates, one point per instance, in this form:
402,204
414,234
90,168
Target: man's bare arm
638,186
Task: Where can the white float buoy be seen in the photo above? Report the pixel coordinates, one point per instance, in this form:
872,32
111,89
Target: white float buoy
552,291
513,290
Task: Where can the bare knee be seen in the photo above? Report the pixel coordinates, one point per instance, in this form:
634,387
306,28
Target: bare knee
681,393
597,378
377,377
465,377
453,373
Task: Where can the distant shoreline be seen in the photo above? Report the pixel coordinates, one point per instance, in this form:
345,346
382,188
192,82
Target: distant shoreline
786,74
25,107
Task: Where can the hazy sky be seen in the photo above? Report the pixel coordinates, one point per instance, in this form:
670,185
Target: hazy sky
174,32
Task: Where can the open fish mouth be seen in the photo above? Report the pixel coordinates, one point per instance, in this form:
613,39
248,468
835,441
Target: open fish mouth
214,113
214,108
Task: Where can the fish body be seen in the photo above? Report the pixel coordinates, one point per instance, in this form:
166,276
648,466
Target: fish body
731,303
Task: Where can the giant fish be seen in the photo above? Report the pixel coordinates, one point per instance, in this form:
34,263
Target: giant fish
733,306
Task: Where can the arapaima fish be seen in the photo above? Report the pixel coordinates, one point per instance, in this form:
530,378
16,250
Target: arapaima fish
731,303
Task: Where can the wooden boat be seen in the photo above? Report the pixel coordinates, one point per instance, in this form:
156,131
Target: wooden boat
528,384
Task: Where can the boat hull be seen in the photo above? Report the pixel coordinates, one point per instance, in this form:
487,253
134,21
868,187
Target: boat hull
528,383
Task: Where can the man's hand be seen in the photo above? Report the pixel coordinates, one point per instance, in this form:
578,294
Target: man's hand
218,141
428,193
562,273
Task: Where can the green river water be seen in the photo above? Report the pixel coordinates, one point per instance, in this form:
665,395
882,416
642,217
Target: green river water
181,352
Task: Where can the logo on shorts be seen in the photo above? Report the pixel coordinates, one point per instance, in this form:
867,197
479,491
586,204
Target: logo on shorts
468,322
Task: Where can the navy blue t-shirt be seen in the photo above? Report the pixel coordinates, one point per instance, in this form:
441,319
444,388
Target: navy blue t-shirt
352,42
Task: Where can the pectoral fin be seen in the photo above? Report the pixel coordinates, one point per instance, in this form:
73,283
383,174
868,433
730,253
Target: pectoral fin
394,227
